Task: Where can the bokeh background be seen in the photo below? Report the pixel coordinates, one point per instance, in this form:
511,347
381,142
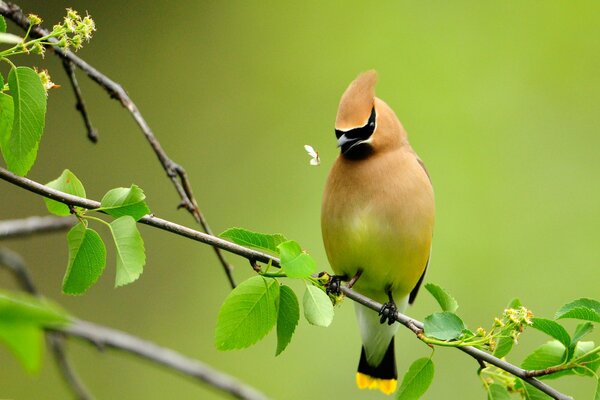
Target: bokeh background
500,100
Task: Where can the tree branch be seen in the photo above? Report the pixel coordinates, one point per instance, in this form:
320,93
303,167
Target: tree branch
253,256
103,337
92,133
13,228
15,264
175,172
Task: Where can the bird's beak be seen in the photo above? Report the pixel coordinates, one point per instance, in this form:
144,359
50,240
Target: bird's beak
347,143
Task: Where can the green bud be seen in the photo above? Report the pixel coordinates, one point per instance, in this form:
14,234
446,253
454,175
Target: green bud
34,19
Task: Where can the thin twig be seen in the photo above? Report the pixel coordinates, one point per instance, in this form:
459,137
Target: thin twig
110,338
13,228
16,266
253,256
92,133
175,172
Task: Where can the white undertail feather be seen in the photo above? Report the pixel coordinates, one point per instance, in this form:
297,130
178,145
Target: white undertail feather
376,336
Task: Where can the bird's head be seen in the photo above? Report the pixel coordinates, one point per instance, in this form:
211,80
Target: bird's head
365,124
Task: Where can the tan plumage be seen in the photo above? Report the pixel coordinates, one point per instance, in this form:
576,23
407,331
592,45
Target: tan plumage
377,213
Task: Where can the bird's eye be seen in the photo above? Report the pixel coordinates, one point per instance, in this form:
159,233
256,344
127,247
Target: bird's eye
362,132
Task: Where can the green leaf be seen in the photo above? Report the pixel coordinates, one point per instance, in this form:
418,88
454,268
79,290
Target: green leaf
417,379
87,259
504,346
497,392
287,317
531,393
129,244
2,24
2,85
6,119
67,182
263,241
26,343
23,308
582,330
443,325
591,362
445,300
318,309
294,262
547,355
248,313
552,329
125,201
514,303
585,309
29,99
22,318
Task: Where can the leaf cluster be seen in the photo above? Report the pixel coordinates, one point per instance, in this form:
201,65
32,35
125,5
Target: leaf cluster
253,308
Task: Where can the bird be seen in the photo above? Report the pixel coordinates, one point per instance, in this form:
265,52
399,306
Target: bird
377,219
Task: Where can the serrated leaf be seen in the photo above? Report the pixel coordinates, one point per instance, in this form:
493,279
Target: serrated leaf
416,380
443,325
531,393
318,309
87,259
248,313
245,237
294,262
552,329
581,330
129,244
6,118
585,309
444,299
2,24
29,100
67,182
287,317
504,346
22,318
125,201
497,392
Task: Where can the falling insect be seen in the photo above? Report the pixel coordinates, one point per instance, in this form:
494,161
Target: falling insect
315,160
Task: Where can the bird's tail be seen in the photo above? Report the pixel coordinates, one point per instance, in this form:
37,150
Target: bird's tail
383,376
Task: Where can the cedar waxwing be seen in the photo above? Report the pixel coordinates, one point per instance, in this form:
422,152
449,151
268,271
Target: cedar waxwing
377,222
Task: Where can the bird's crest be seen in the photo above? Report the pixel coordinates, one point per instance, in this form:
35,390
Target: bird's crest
357,102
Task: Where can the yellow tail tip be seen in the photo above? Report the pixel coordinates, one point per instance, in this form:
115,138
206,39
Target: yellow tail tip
387,386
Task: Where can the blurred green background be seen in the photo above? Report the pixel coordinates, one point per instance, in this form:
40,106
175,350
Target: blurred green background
500,100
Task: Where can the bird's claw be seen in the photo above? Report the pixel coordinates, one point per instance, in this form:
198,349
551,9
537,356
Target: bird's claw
388,312
334,284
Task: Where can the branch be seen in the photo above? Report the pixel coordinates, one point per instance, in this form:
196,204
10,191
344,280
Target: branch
103,337
253,256
13,228
92,133
479,355
15,264
150,220
175,172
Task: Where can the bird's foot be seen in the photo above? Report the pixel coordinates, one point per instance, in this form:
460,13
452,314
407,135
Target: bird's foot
333,283
388,312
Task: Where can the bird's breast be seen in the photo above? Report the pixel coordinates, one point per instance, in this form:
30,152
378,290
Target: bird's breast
380,221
